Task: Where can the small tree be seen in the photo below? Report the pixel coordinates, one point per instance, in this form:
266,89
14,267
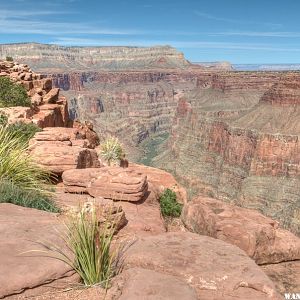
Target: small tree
112,150
12,94
9,58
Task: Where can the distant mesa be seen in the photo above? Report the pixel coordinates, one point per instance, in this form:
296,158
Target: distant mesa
55,58
217,65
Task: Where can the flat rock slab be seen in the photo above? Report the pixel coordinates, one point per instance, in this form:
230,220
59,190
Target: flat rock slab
215,269
108,182
150,285
259,236
20,231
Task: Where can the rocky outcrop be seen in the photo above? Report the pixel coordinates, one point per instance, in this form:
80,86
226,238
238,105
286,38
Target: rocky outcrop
24,265
60,149
260,237
213,268
108,182
47,110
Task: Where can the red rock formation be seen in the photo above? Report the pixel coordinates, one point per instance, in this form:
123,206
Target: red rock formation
48,109
59,149
108,182
260,237
213,268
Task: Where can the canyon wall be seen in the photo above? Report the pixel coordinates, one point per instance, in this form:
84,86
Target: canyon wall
231,135
250,157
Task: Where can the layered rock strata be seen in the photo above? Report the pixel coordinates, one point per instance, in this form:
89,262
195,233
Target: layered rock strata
41,56
59,149
108,182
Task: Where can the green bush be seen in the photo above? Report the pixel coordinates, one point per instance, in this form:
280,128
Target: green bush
111,150
10,193
17,166
169,206
3,120
12,94
9,58
24,131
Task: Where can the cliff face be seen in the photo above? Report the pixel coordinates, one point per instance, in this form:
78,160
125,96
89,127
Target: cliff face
233,135
54,58
251,157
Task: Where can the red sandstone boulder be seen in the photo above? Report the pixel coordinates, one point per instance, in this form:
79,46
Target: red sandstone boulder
51,96
58,159
259,236
213,268
21,230
52,148
161,180
108,182
17,114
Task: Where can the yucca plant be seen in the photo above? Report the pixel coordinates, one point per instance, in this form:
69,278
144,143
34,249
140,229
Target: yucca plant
16,165
90,251
112,150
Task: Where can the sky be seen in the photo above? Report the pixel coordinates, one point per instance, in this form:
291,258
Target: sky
239,31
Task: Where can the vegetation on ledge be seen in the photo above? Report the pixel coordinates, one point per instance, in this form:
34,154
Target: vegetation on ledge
22,181
168,204
12,94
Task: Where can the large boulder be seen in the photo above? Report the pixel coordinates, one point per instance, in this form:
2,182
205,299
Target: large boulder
57,150
213,268
108,182
22,230
259,236
159,180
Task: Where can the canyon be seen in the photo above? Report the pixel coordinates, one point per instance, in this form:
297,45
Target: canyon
227,134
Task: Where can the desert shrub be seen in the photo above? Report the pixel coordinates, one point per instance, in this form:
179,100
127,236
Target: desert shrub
10,193
24,131
112,150
12,94
3,119
17,166
168,204
92,256
9,58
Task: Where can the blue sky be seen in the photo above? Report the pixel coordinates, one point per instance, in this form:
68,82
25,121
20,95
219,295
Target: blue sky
239,31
